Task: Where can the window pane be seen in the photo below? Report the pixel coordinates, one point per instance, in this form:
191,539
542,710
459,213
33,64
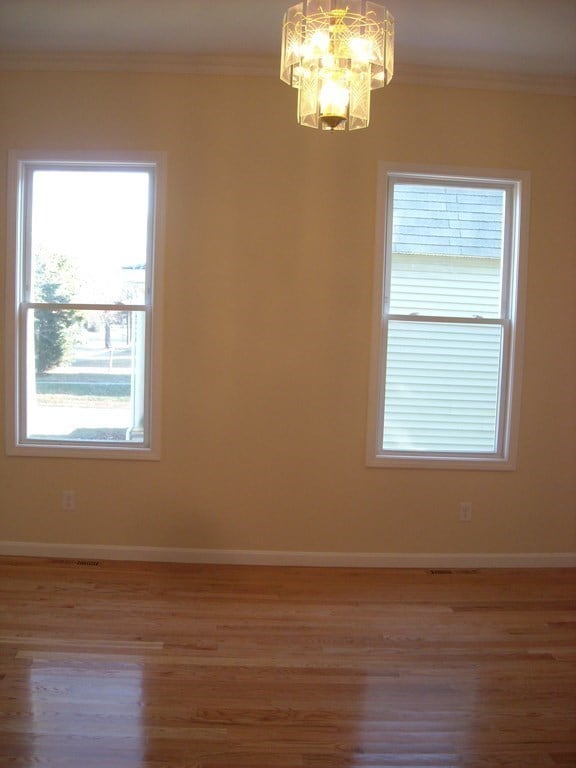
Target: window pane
447,246
85,376
89,236
442,387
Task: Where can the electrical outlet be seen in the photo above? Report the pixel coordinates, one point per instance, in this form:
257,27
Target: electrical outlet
465,511
68,501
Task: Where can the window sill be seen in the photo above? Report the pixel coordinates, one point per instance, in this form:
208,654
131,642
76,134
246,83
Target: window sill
468,462
84,451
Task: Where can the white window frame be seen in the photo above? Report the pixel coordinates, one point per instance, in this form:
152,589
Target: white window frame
517,187
21,163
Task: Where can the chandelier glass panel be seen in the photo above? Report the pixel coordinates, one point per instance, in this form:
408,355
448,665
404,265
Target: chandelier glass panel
335,52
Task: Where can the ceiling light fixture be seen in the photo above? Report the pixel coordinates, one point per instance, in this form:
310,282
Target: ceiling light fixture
335,52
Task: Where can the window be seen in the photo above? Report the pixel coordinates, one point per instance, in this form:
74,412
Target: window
445,385
83,305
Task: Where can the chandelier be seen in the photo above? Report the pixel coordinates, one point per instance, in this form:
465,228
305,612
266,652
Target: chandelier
335,52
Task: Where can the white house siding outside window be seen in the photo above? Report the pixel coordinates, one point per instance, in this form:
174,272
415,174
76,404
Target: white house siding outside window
450,273
83,304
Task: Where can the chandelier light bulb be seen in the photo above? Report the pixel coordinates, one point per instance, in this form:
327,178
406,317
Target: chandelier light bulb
333,99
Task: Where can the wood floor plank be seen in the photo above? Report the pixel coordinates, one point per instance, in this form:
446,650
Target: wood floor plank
135,665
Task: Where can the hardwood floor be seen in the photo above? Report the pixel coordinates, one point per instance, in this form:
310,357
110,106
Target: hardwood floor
130,665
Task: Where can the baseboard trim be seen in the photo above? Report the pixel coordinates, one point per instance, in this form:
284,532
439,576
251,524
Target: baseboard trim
273,557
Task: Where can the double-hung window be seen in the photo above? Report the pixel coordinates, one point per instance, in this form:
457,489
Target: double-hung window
83,305
450,273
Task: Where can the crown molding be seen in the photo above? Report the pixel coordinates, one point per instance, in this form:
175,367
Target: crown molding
451,77
263,66
268,66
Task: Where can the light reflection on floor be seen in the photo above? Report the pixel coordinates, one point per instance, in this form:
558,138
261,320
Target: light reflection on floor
439,706
86,706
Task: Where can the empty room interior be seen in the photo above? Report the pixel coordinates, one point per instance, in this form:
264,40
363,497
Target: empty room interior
288,465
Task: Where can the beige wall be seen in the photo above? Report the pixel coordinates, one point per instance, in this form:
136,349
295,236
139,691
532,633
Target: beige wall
268,282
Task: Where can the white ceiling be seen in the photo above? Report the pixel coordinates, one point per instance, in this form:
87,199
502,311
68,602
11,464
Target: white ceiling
524,37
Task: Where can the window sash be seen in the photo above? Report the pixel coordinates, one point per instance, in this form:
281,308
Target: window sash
501,384
25,288
116,422
456,182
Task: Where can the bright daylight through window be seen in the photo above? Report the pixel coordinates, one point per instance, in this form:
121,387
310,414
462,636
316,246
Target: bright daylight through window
448,320
82,316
